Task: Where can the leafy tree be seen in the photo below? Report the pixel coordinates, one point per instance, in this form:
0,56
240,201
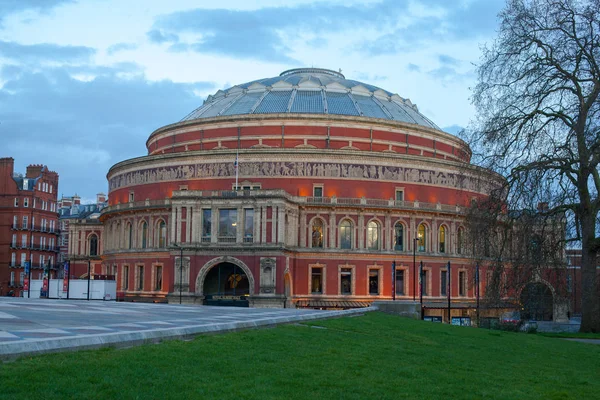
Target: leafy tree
538,120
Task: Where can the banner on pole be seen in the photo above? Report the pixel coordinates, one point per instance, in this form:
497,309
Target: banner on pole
66,277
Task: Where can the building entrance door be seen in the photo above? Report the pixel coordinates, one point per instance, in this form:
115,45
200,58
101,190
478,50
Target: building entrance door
226,284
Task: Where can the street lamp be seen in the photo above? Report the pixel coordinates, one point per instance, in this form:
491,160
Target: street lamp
415,240
180,269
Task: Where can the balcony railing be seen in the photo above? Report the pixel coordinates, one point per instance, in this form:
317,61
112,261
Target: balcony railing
277,193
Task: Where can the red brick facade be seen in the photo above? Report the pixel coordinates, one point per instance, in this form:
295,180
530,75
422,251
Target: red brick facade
28,225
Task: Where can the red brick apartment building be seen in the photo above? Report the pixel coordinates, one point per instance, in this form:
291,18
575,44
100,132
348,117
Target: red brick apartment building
28,225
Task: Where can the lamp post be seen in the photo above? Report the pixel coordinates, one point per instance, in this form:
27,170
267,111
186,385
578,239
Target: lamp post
89,270
415,240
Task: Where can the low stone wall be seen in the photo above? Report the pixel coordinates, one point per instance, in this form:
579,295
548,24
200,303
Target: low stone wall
409,309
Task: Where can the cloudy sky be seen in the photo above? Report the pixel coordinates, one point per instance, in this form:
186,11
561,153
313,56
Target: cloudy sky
84,82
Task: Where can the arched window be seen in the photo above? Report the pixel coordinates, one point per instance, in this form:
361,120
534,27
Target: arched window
144,235
373,235
460,240
346,234
317,233
399,237
422,238
129,236
162,234
93,245
442,239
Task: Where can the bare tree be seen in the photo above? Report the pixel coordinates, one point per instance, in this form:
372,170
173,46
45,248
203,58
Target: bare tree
538,122
518,250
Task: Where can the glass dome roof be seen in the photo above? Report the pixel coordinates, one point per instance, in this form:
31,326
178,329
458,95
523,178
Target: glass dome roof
310,91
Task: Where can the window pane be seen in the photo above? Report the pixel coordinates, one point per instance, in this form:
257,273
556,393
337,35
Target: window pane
317,282
206,222
346,235
373,236
248,223
346,281
228,222
400,281
421,235
374,281
444,283
318,192
317,233
399,237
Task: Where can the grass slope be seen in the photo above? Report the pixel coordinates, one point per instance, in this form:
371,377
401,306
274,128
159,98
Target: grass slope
375,356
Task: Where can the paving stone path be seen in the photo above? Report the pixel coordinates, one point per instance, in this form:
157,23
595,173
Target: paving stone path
31,326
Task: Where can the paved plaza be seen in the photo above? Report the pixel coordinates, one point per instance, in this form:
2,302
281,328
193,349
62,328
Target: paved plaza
31,326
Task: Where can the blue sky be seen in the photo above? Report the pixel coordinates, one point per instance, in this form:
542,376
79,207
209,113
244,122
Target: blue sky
83,83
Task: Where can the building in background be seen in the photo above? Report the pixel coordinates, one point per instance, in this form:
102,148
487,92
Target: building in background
28,225
71,209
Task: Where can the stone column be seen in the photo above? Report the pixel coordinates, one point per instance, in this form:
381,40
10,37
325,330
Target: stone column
239,228
263,228
173,225
256,230
281,224
332,243
361,231
389,233
214,224
274,224
188,225
302,228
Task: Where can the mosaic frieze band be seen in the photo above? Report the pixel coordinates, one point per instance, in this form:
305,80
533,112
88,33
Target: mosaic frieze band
295,169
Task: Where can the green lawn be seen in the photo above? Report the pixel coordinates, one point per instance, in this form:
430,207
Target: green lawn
375,356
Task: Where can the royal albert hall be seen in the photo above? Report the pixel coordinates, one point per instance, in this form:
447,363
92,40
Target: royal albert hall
337,182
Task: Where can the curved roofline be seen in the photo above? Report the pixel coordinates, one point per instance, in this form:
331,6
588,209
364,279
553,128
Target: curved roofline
312,117
295,71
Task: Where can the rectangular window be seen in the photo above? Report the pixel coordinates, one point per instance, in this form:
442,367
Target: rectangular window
12,278
400,282
23,255
399,195
248,224
15,224
227,223
13,260
131,197
23,240
125,283
206,224
424,283
26,202
462,283
14,240
346,281
374,281
317,281
158,278
25,221
22,278
16,202
50,188
140,281
444,283
318,191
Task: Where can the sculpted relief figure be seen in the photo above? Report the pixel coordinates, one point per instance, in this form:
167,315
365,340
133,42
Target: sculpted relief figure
299,169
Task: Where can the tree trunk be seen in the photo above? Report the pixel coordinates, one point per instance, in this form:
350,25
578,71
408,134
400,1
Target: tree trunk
590,294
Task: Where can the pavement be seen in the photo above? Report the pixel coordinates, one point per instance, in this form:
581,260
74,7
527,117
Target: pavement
34,326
